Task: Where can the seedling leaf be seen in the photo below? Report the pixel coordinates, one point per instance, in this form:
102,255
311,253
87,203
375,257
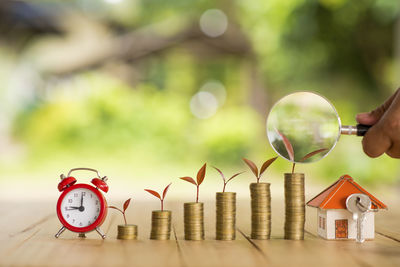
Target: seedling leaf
165,191
252,166
266,165
154,193
201,174
220,172
233,176
126,204
189,179
288,145
309,155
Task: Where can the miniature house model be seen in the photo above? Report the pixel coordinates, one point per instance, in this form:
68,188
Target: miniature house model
334,220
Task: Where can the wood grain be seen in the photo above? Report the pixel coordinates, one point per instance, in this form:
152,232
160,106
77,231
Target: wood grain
27,239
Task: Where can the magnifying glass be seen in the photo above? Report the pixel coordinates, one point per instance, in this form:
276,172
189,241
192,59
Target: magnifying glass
305,123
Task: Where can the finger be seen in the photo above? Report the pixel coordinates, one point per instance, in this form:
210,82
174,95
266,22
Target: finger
371,118
394,152
376,142
366,118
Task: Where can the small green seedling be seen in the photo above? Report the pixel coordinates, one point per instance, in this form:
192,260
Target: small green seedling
126,205
154,193
201,174
254,168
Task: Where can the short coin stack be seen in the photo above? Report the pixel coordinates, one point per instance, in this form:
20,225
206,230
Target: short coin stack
127,232
194,221
294,206
260,210
226,216
160,225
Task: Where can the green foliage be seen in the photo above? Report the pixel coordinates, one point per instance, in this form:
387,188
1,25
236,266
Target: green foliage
230,135
339,48
114,118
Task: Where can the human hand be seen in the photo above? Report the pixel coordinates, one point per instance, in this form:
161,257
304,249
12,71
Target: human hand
384,135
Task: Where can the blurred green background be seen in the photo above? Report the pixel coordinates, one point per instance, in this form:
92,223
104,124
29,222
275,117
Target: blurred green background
148,90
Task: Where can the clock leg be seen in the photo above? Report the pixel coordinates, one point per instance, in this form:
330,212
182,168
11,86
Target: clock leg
98,230
60,232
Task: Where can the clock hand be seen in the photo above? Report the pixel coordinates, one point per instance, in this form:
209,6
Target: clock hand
81,199
72,208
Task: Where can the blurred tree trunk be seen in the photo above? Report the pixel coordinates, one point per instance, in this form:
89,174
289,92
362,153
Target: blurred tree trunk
257,94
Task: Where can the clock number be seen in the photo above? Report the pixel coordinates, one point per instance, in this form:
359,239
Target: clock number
97,202
95,217
69,201
75,194
67,215
89,222
98,209
80,224
91,195
73,220
83,193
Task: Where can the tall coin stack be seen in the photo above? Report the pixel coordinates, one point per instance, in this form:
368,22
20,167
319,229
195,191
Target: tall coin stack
127,232
294,206
260,210
194,221
160,225
226,216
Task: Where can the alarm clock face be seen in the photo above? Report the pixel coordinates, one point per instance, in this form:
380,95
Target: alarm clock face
81,208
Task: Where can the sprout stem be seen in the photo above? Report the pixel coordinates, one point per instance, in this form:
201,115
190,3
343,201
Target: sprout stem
162,204
197,196
123,213
294,164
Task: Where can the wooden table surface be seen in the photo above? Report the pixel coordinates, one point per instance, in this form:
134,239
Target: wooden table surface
27,239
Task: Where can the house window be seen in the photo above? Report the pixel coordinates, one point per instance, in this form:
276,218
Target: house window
320,222
323,223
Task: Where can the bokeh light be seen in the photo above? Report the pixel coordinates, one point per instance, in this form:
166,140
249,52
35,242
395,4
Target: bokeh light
213,22
217,89
203,105
113,1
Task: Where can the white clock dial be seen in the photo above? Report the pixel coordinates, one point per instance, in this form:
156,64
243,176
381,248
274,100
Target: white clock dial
80,207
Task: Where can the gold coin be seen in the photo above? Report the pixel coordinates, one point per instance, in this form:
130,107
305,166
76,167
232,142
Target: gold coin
127,232
193,221
260,210
294,206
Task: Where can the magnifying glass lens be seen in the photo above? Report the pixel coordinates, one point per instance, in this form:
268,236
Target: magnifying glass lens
308,121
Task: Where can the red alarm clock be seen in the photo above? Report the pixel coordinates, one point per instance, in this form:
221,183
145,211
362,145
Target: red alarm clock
82,208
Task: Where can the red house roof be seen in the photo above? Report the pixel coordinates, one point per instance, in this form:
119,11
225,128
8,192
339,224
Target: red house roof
334,197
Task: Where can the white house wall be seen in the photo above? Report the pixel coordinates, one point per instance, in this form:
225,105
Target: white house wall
340,214
321,232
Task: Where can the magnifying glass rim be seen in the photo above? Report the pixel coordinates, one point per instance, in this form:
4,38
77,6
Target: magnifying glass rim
337,116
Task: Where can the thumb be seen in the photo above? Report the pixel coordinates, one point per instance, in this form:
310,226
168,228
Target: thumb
370,118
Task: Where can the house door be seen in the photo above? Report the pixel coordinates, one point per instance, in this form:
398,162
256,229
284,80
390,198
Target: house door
341,228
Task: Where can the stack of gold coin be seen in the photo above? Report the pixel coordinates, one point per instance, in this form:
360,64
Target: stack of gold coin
194,221
160,225
294,206
260,210
128,231
226,216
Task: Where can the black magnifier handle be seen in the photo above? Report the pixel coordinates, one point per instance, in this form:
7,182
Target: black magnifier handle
362,129
359,129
